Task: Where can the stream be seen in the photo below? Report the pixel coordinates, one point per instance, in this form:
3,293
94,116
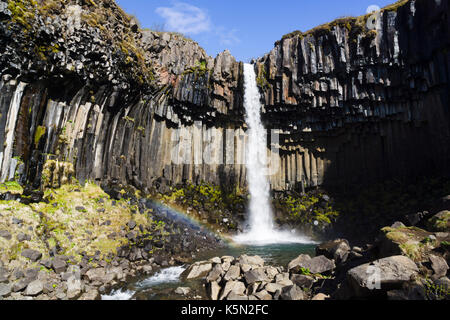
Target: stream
162,285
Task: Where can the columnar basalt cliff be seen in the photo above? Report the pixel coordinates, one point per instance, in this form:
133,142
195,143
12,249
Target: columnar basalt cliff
357,104
82,84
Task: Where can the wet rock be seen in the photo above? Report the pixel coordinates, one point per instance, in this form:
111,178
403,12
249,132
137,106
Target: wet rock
33,255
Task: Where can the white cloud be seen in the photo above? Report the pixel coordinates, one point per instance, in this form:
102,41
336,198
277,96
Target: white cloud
185,18
227,37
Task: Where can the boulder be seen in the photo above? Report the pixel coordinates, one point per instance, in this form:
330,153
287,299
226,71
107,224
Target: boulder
300,260
410,241
184,291
263,295
384,274
271,272
91,295
320,297
34,288
74,288
320,264
337,249
233,273
5,290
256,275
439,266
232,296
33,255
233,286
215,260
198,270
303,281
292,293
96,274
251,260
59,265
273,287
215,273
5,234
214,290
440,222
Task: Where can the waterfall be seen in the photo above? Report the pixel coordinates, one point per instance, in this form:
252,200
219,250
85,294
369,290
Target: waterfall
13,112
261,227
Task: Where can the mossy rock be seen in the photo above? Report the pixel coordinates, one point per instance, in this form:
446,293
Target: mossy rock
440,222
412,242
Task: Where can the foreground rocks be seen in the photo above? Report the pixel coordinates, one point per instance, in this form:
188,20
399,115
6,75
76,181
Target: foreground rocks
406,263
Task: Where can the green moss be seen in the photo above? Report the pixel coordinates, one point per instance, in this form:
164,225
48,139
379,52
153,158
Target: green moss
12,187
261,79
40,131
22,12
200,69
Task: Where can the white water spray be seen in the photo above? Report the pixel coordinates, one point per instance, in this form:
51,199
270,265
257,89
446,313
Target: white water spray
261,230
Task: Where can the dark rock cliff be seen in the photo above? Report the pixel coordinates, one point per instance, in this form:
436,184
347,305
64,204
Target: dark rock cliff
81,83
357,104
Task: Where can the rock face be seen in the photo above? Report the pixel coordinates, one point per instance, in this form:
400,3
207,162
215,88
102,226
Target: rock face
387,273
378,97
152,109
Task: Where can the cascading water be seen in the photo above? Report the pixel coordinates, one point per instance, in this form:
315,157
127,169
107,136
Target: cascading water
261,228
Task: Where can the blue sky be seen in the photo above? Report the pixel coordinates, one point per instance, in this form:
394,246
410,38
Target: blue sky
248,28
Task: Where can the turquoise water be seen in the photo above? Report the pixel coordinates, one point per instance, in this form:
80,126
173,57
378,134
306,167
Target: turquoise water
275,254
161,286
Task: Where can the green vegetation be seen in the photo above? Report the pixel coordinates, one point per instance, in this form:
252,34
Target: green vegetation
12,187
40,131
22,12
352,24
262,77
200,69
436,292
307,209
209,199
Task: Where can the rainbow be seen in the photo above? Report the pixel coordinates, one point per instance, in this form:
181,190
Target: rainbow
185,217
